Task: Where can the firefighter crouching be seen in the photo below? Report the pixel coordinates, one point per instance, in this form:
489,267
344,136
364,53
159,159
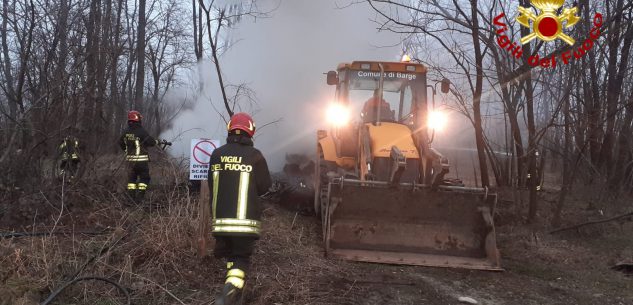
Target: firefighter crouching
135,141
237,176
68,152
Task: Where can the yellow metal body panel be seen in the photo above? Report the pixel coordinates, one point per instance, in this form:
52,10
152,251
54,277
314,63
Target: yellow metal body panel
386,135
329,153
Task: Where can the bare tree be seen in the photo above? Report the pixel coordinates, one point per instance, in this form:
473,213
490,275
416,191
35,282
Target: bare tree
74,65
219,21
213,36
430,20
587,122
140,56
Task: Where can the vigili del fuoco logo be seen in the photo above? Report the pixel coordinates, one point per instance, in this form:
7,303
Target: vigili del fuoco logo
547,25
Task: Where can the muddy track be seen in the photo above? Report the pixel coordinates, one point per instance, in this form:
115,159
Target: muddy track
535,274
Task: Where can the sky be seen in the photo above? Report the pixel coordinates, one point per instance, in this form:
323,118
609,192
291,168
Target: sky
283,58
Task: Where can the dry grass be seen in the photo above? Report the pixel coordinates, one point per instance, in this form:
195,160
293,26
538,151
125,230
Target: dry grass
288,266
156,260
144,252
150,250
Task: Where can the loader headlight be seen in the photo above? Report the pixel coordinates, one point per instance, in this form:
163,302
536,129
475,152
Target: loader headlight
436,120
337,114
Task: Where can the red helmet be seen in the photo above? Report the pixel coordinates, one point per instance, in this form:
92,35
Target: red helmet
242,121
134,116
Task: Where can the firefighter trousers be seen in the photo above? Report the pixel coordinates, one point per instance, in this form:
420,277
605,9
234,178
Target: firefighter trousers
69,167
138,179
237,251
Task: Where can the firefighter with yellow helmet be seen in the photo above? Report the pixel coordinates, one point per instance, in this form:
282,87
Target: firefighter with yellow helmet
238,175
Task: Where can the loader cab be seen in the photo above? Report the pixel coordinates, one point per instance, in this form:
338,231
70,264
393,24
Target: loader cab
398,94
402,92
397,102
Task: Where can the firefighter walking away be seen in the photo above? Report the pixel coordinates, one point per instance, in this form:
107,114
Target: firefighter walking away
135,141
238,176
68,153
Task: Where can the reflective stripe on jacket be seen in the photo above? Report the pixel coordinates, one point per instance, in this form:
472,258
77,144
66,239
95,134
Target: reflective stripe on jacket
69,149
135,141
238,174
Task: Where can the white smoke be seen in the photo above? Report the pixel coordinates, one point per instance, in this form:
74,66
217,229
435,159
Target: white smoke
283,59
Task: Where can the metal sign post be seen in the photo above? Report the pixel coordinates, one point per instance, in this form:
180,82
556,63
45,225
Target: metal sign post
205,217
199,159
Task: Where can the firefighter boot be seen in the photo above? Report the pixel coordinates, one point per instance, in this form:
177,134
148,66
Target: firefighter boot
132,191
140,195
231,295
131,195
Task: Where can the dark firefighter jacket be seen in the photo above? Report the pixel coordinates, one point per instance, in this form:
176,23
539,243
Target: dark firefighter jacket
238,174
135,141
69,149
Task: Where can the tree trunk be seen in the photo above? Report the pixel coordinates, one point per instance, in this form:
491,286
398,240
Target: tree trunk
116,107
140,57
216,61
99,119
197,31
614,87
59,92
566,184
8,73
592,99
92,49
531,150
479,131
618,179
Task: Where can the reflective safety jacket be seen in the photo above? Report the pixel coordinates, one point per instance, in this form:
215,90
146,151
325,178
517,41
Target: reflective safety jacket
238,174
69,149
135,141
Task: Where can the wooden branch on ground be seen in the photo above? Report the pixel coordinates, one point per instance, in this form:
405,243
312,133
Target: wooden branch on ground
630,214
204,215
624,267
36,234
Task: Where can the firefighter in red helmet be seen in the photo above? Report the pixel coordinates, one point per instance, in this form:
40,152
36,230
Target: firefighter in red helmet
135,141
237,177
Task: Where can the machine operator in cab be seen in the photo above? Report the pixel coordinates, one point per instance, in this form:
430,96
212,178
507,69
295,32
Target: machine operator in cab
368,114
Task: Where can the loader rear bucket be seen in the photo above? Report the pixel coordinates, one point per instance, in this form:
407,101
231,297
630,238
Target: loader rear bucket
411,224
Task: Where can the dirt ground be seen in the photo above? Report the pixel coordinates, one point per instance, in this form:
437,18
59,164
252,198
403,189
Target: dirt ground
540,268
150,250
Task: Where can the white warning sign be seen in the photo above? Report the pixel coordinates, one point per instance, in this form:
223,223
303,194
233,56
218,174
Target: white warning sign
201,150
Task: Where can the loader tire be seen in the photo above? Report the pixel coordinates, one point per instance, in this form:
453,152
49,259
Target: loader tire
321,168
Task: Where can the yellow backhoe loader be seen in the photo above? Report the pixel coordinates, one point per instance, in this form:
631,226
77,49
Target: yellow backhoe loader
381,190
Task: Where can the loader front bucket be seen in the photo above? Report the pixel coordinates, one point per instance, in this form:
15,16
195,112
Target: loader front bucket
411,224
